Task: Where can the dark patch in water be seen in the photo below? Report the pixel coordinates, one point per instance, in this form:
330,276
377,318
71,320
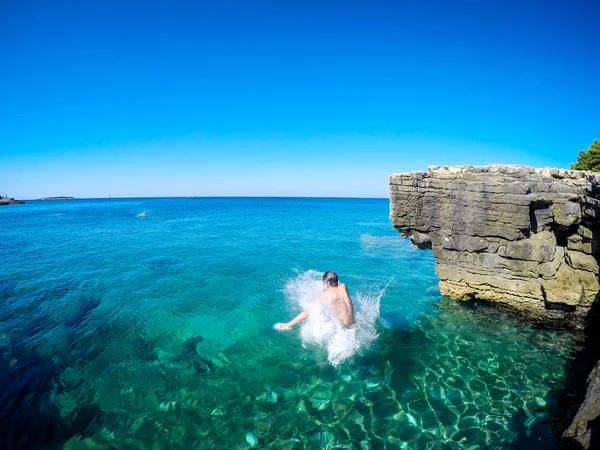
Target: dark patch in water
82,316
29,418
192,357
162,265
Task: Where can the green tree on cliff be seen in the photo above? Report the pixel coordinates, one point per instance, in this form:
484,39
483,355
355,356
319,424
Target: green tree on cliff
589,159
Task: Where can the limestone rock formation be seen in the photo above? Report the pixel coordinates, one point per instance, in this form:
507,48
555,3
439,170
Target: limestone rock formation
523,237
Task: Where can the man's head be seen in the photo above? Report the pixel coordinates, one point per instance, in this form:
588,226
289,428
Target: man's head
330,279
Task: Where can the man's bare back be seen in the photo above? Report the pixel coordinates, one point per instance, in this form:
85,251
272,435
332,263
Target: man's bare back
338,300
336,297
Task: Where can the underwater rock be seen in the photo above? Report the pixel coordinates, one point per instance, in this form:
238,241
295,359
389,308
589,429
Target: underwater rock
262,428
366,445
276,397
167,405
66,403
386,408
192,402
252,440
319,404
105,436
217,412
522,237
177,434
341,408
131,444
301,406
372,385
76,443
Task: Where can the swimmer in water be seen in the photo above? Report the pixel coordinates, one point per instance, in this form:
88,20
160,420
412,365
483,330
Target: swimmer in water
336,297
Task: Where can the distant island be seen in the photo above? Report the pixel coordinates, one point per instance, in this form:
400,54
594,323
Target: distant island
57,198
5,200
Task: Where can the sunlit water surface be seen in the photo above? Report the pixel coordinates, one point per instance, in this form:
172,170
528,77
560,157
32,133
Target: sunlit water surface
155,332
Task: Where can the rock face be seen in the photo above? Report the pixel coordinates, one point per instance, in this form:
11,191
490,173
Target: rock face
9,200
585,428
523,237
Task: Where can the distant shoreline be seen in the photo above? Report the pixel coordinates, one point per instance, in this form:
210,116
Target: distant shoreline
10,201
57,198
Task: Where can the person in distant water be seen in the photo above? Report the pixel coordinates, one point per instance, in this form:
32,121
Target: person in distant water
336,297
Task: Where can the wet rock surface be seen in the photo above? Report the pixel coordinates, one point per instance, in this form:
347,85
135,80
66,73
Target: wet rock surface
524,237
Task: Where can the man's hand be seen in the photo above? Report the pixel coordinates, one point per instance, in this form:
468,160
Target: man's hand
299,318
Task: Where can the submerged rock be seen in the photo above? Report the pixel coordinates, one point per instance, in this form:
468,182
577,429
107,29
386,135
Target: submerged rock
76,443
262,428
319,404
252,440
217,412
276,397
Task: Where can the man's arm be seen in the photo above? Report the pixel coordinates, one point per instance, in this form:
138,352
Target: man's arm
346,295
299,318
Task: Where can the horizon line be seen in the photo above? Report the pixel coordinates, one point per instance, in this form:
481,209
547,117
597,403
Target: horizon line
60,198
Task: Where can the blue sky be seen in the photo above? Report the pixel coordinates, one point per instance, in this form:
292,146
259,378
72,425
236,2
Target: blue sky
287,98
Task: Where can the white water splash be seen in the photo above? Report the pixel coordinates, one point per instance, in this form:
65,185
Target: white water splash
322,329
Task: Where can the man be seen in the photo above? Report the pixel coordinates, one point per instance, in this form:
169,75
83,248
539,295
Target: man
336,297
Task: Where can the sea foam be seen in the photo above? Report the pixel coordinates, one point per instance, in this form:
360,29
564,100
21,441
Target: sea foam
322,329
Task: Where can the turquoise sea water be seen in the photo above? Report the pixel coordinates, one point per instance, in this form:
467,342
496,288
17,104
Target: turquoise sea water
155,332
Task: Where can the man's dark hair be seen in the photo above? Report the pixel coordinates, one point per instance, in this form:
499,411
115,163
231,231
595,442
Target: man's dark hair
330,279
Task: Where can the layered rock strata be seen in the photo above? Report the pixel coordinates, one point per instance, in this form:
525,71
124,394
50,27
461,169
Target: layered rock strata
523,237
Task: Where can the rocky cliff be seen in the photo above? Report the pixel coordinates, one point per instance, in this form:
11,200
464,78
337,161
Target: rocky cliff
525,238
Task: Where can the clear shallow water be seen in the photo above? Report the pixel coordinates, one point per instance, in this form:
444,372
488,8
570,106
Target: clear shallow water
155,332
